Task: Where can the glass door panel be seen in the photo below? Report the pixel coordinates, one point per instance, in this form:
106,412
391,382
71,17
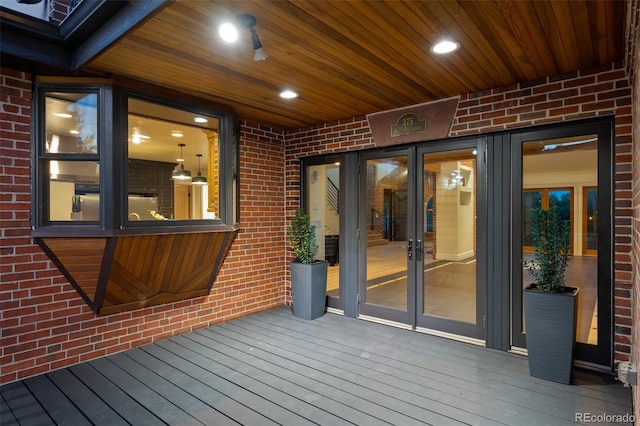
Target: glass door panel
531,199
590,222
448,296
323,205
567,163
386,235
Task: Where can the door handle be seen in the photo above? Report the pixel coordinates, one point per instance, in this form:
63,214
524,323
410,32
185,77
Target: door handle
419,250
410,249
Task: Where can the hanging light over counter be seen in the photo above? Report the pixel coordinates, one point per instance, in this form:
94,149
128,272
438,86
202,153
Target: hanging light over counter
199,180
181,173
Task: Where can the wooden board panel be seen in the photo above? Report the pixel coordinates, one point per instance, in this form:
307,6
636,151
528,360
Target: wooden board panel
23,406
272,368
352,58
149,270
143,270
113,396
56,404
81,259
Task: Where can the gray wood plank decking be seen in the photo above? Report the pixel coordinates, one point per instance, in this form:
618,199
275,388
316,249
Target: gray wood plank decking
272,368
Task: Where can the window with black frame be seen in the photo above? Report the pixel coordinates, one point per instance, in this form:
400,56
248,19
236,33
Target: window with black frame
70,157
159,164
173,163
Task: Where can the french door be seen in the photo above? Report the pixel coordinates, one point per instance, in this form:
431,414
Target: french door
424,264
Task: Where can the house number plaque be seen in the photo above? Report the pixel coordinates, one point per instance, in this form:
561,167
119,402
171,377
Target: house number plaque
408,124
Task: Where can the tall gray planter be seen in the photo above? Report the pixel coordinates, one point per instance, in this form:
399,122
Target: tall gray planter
309,289
551,333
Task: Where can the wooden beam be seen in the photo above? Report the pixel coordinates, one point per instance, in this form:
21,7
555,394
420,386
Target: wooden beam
131,15
27,39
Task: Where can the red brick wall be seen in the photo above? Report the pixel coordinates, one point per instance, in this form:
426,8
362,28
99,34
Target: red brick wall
635,353
44,323
58,10
578,95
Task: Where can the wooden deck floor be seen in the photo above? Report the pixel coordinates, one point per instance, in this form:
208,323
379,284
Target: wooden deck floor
271,368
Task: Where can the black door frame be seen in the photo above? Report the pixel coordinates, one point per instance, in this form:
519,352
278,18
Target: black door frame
415,289
477,330
602,353
390,314
501,155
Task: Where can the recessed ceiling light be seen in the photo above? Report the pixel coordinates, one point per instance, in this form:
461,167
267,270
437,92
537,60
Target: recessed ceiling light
74,132
63,115
200,120
445,46
288,94
176,133
228,32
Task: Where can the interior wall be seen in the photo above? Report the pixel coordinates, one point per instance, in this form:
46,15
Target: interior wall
604,91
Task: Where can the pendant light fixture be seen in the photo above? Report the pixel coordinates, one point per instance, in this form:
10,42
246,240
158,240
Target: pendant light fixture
181,173
199,180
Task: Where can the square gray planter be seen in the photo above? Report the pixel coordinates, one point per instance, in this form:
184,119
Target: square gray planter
551,333
309,289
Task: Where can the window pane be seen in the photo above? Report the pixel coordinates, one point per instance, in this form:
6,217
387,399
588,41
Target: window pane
386,234
449,250
71,123
74,190
323,191
590,245
556,173
530,201
173,164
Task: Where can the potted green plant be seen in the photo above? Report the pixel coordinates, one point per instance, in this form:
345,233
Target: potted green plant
550,307
308,275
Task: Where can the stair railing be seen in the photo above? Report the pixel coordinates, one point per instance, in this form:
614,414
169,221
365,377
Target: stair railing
333,195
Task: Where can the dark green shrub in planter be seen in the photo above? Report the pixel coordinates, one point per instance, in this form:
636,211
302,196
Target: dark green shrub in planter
308,276
550,306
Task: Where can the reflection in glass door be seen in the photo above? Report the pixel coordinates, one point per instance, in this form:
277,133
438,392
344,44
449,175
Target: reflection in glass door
571,166
447,244
386,238
545,198
590,221
421,250
323,206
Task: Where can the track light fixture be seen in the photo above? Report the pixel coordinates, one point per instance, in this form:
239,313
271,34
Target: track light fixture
248,22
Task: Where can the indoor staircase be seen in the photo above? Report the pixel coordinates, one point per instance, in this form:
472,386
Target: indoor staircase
374,238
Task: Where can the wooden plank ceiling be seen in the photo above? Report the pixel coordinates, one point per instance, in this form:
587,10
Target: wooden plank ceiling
350,58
